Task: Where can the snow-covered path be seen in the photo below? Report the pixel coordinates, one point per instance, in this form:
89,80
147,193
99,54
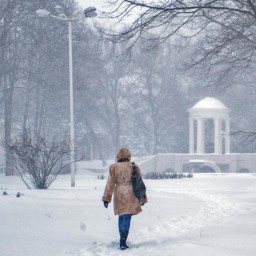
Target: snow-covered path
206,215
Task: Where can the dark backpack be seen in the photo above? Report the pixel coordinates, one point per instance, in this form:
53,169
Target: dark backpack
138,185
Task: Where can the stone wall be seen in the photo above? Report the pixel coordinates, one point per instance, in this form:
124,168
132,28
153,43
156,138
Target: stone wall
179,162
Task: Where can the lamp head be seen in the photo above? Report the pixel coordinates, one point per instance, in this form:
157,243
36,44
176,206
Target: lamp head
90,12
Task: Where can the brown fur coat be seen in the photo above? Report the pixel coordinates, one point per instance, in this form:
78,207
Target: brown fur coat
119,182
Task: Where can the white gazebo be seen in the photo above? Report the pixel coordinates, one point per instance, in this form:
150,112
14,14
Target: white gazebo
209,108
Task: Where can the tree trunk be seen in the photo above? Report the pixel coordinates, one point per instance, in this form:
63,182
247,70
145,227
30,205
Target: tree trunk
26,110
7,83
117,130
27,99
8,97
37,111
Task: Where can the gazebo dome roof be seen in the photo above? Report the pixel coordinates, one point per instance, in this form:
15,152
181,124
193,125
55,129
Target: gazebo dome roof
209,103
209,108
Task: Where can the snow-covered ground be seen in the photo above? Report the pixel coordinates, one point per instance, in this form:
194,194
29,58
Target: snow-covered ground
208,215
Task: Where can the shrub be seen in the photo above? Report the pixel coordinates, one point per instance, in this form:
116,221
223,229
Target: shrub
166,175
38,160
244,170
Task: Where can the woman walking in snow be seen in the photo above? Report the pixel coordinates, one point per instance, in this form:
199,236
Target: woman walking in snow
126,203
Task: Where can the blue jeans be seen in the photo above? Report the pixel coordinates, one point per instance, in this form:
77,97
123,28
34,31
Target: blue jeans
124,223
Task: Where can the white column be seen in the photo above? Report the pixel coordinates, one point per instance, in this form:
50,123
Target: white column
227,135
191,136
203,136
217,136
221,136
199,136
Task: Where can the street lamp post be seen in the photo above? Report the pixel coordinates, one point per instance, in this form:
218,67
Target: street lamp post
89,12
72,134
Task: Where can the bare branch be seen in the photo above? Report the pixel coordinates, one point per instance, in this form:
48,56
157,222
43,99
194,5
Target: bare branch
165,19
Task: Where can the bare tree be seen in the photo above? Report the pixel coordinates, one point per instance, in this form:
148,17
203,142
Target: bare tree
160,96
230,24
28,61
38,160
117,83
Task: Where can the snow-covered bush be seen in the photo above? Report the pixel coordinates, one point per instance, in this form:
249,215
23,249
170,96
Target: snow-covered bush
166,175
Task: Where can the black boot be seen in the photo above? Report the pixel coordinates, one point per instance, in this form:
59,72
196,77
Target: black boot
123,238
